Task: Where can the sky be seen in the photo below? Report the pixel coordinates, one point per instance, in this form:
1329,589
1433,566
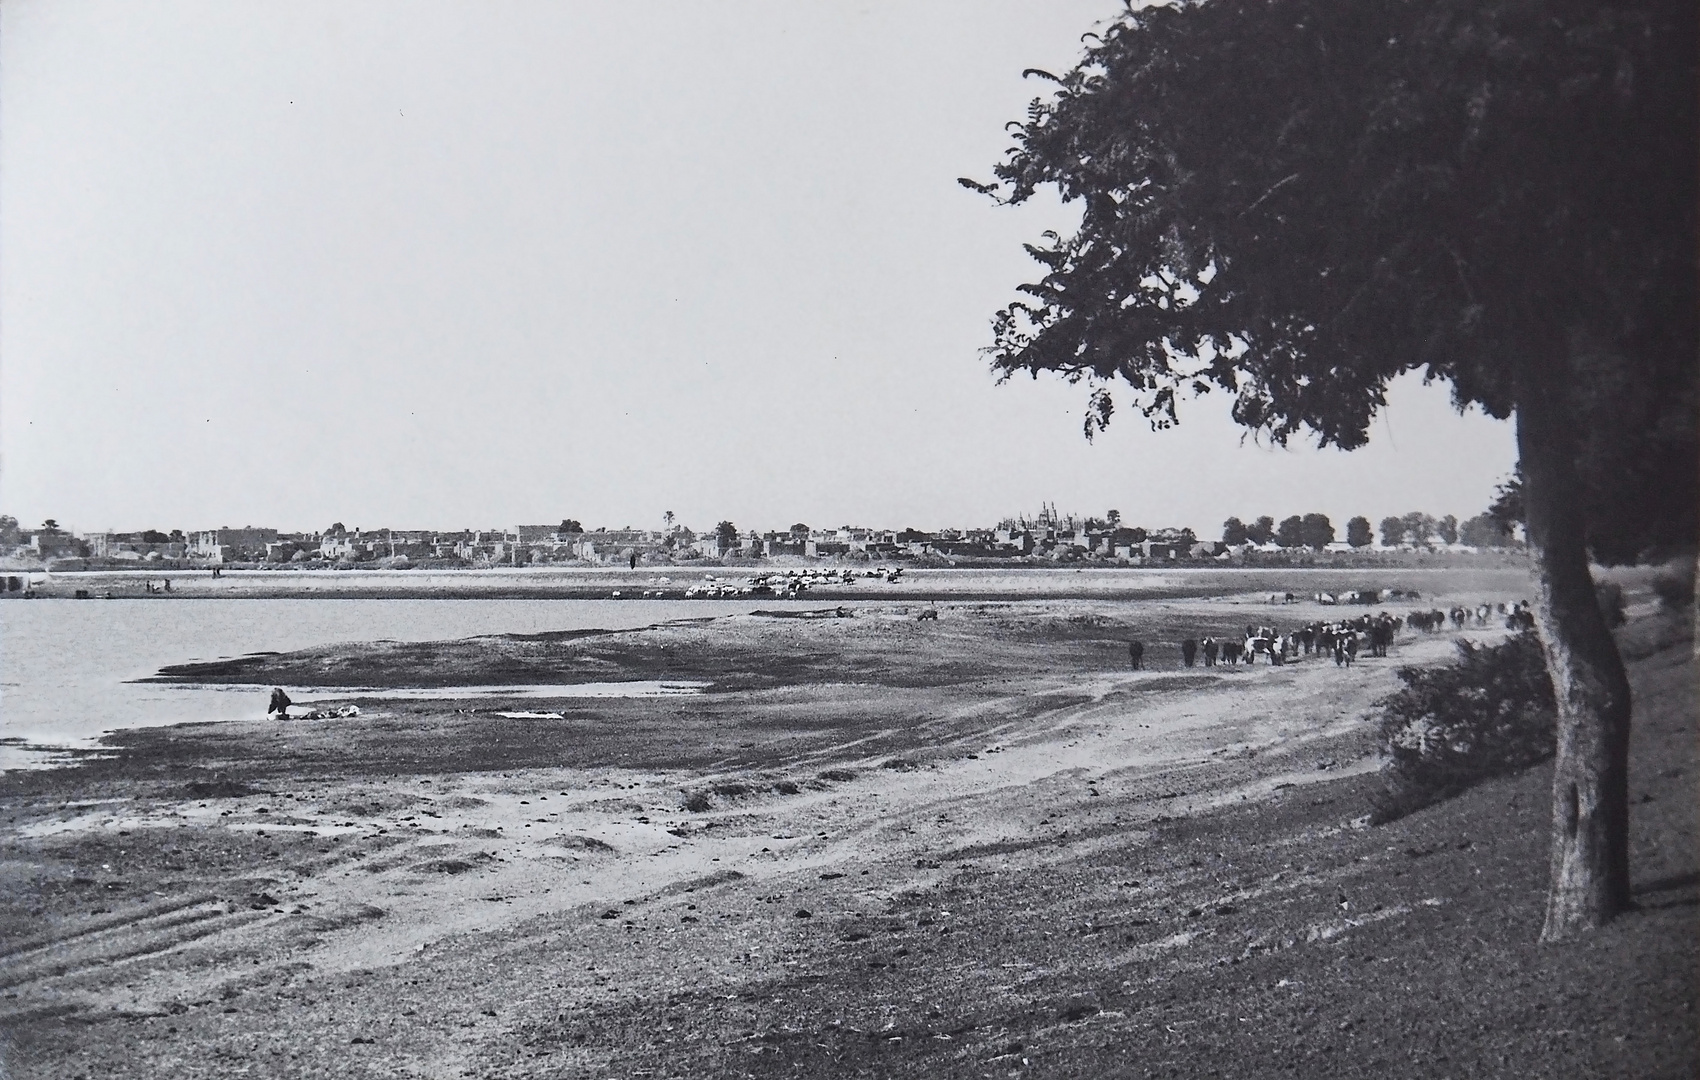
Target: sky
470,265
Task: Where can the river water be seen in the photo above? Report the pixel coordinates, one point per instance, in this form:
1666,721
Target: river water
67,667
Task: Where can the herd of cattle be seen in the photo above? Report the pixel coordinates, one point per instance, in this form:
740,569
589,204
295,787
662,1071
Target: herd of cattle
1343,639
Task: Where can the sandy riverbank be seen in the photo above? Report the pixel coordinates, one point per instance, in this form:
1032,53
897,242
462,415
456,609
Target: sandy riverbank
874,845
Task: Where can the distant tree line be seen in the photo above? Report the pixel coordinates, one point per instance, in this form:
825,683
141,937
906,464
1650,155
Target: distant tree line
1309,530
1422,530
1489,529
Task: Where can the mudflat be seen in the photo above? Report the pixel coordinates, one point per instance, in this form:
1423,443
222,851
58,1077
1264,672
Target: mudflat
862,843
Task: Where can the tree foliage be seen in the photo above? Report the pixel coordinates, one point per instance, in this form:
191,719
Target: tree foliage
1420,528
1317,531
1295,201
1507,506
1484,531
1234,531
1261,531
1392,531
1358,533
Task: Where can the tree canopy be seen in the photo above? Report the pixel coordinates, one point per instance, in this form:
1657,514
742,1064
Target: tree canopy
1296,201
1317,530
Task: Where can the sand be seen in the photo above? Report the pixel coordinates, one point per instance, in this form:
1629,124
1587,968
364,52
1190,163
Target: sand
873,844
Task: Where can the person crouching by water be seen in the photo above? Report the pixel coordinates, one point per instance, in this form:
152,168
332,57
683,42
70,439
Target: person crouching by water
280,704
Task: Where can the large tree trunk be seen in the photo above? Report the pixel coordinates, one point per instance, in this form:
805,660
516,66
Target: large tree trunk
1590,787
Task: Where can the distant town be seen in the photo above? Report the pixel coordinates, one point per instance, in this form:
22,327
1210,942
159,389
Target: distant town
1048,537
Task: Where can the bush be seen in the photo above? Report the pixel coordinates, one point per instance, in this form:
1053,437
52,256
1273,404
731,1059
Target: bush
1489,714
1674,586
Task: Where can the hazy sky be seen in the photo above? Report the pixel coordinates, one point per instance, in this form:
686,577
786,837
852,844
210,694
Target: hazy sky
476,264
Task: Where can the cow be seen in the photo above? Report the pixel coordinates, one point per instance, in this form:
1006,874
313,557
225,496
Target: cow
1381,634
1211,650
1230,651
1189,650
1136,654
1257,643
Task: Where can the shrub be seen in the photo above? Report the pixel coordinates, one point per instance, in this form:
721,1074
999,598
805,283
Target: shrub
1449,727
1674,586
698,802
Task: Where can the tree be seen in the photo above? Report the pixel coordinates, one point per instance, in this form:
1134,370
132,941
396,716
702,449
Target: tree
667,519
1261,531
726,534
1447,527
9,531
799,531
1291,534
1484,531
1507,505
1392,531
1233,531
337,529
1419,528
1114,517
154,536
1358,533
1317,531
1295,201
568,526
50,525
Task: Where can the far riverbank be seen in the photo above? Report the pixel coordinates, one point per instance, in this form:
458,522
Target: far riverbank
672,583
